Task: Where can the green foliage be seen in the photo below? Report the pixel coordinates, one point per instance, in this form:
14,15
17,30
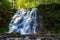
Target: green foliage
26,3
33,3
18,4
5,3
5,15
50,13
57,1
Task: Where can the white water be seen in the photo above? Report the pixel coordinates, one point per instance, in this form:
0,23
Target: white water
24,22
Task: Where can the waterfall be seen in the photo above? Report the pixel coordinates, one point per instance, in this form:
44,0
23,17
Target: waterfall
24,21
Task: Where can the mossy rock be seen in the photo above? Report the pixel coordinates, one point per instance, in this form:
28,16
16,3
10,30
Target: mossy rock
26,3
18,4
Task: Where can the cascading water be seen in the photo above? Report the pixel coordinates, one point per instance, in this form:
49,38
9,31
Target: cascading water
24,21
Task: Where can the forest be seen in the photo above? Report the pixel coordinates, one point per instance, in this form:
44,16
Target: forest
49,9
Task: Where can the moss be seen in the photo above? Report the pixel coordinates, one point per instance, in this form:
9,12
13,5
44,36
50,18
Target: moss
50,13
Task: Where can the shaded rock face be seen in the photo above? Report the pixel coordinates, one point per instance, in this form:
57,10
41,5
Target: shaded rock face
39,28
